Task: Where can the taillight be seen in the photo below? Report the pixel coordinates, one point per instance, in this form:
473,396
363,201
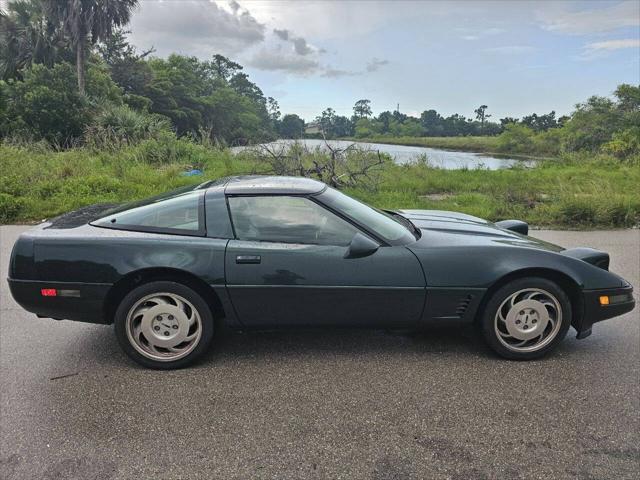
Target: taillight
49,292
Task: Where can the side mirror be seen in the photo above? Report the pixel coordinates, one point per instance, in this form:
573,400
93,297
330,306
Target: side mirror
517,226
361,246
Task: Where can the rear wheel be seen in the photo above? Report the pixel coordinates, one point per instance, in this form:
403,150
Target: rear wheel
526,318
164,325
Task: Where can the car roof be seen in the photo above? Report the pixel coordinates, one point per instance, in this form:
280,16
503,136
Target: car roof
269,185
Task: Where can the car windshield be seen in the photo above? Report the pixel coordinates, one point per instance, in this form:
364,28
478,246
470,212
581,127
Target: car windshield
378,222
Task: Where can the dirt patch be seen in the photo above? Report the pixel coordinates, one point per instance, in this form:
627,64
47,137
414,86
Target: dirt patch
438,197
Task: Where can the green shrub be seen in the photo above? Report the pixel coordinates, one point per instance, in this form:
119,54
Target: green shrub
46,104
516,138
618,210
624,144
10,208
166,149
12,183
578,211
91,185
137,102
548,142
118,125
47,189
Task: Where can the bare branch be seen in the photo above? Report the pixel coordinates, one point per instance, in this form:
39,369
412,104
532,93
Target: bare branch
337,166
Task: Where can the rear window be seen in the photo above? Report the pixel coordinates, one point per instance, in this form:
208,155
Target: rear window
181,213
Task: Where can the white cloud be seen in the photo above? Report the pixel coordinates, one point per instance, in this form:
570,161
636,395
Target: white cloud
614,44
600,49
323,20
195,28
560,18
331,72
300,45
373,65
277,60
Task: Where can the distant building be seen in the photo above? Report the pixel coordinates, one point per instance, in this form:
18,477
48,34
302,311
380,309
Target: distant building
313,128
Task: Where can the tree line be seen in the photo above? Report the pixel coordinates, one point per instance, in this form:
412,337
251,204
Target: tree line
600,124
69,77
363,123
68,70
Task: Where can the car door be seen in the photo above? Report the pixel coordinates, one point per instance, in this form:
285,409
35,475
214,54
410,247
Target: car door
287,266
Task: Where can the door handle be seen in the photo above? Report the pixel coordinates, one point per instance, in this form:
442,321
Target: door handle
248,259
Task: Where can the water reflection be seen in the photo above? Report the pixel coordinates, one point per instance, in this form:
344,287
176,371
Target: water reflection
447,159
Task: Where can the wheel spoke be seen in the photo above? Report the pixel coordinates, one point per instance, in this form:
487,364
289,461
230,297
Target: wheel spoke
161,300
141,311
137,330
192,336
184,307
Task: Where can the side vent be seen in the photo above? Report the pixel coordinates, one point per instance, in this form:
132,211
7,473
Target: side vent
463,304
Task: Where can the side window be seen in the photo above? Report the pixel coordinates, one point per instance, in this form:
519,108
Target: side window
179,214
288,220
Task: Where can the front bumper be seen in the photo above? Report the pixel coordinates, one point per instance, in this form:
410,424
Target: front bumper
622,301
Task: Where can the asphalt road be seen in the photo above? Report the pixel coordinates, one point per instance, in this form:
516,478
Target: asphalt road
331,404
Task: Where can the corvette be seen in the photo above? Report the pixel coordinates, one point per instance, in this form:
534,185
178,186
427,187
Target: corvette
257,252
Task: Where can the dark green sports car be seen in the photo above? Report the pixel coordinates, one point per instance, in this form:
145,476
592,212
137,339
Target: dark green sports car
262,252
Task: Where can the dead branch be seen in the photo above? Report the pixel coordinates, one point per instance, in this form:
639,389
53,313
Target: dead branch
339,167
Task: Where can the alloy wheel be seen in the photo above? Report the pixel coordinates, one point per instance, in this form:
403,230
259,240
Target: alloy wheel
528,320
163,326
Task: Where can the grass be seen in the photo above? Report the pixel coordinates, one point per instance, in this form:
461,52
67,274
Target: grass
40,184
572,192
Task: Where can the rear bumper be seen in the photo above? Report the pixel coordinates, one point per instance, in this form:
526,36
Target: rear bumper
83,302
622,301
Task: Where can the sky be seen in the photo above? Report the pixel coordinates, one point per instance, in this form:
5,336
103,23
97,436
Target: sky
517,57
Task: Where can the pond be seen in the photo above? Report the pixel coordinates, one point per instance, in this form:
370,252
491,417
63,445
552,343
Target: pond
447,159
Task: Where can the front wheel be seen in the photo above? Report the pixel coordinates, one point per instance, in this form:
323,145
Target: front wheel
526,318
164,325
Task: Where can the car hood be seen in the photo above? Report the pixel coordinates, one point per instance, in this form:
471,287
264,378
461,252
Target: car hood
442,228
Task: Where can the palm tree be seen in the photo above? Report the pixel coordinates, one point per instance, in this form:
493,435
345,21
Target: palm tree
28,36
88,22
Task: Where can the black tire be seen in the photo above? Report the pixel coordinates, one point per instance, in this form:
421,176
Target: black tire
490,324
196,348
